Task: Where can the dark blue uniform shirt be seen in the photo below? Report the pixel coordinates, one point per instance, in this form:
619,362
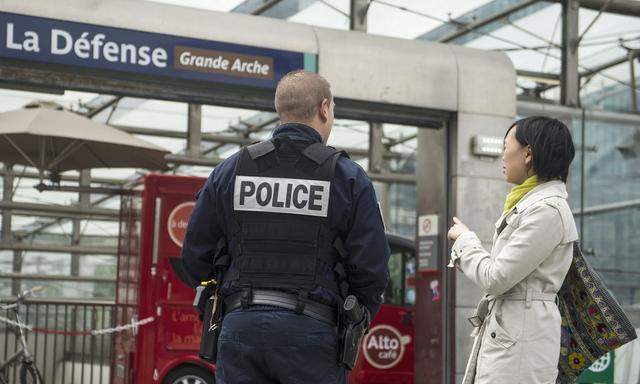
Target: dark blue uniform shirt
353,212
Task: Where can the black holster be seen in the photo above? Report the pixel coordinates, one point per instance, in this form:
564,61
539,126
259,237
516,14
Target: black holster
210,305
354,324
211,324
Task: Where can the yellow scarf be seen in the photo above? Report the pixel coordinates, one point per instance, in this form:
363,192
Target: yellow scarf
518,192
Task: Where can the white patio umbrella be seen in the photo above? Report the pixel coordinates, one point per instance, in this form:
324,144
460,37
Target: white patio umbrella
52,139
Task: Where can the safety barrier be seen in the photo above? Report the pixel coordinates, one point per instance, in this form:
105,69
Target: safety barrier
61,340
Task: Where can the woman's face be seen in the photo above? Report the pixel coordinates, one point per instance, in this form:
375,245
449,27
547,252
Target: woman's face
516,159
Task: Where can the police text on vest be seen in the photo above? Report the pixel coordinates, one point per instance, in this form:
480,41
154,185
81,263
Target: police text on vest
280,195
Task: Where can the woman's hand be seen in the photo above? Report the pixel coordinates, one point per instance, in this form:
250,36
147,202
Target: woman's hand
457,229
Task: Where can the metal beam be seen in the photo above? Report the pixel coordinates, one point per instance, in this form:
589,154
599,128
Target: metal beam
620,7
189,160
278,9
542,77
60,216
34,209
393,178
214,138
63,177
604,66
80,249
588,73
32,88
529,108
101,103
488,20
31,276
488,17
63,239
214,161
492,17
569,78
206,137
255,123
607,208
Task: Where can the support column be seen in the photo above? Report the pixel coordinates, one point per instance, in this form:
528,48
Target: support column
16,284
358,16
6,235
376,149
84,201
385,204
7,192
569,77
194,130
431,348
633,54
376,165
477,190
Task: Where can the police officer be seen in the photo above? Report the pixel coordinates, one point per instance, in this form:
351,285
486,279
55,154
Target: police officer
303,230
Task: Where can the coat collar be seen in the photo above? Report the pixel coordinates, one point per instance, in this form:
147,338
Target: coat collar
297,131
554,188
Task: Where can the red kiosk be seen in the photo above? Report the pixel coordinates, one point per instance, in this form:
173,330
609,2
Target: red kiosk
153,221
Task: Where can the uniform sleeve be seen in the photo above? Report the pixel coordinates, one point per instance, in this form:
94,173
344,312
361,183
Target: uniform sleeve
538,233
203,233
367,248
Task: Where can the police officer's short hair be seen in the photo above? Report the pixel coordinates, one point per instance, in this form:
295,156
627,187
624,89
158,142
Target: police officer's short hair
551,146
299,94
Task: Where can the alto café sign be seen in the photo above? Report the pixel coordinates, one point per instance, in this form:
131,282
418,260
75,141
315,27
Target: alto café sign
384,346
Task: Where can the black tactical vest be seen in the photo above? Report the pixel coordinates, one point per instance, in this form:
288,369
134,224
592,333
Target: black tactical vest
281,238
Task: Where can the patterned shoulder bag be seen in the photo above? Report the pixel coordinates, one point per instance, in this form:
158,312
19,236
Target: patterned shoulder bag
593,323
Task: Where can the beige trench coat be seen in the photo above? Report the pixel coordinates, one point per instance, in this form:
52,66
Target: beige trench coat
519,339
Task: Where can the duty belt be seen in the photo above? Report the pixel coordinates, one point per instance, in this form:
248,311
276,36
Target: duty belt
285,300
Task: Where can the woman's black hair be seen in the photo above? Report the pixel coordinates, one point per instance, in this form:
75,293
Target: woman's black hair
551,146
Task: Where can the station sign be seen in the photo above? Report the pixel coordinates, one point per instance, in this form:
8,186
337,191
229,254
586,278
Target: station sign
105,48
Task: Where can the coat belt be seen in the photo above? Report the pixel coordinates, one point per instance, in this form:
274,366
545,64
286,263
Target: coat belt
528,297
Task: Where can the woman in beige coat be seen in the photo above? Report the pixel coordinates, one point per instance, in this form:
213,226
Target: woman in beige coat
518,322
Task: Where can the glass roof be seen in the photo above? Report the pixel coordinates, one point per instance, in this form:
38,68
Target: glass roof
531,41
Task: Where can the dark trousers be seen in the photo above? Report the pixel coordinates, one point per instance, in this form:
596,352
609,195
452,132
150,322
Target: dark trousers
276,346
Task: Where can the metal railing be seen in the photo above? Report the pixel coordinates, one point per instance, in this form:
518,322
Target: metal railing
63,349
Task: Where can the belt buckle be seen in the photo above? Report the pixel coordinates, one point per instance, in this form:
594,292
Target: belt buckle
245,297
476,321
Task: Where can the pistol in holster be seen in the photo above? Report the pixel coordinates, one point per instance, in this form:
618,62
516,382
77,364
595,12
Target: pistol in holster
210,305
354,324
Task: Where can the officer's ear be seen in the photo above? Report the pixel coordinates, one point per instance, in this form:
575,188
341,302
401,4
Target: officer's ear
325,109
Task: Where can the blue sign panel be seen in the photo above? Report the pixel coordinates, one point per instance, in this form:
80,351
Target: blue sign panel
92,46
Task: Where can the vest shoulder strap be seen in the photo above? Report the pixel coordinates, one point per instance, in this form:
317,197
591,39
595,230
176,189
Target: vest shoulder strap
260,149
319,153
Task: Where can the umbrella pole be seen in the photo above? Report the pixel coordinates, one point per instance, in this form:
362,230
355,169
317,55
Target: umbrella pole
42,155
